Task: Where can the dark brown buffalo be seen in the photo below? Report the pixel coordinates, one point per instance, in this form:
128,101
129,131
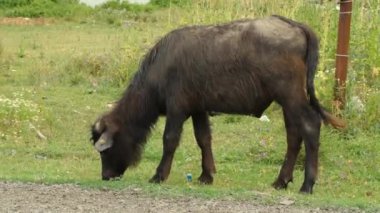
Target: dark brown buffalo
236,68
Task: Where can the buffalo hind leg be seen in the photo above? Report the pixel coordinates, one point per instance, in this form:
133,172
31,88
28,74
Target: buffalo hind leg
310,131
202,133
171,137
294,140
308,124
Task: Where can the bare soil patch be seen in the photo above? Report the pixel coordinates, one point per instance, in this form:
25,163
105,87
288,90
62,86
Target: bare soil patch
24,21
27,197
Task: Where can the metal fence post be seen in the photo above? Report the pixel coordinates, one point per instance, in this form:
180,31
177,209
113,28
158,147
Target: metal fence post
342,51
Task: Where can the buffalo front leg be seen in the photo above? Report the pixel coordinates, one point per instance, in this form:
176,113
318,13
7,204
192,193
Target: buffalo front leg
294,140
171,137
202,133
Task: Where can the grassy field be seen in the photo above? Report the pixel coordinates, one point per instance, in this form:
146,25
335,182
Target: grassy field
56,79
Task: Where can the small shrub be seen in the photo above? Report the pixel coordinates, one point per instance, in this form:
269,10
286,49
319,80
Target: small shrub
168,3
107,68
125,5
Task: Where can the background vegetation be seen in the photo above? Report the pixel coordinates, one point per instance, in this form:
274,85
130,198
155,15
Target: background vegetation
56,78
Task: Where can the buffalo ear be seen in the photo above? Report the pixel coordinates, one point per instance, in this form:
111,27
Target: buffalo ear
99,126
103,131
105,141
97,130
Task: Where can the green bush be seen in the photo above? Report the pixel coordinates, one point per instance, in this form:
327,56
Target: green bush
14,3
125,5
48,8
167,3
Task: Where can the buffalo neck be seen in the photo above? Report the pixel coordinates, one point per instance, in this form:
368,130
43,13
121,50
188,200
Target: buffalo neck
137,111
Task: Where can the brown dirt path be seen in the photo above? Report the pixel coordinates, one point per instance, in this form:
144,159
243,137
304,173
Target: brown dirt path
27,197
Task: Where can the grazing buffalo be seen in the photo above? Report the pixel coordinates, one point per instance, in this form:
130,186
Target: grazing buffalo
237,68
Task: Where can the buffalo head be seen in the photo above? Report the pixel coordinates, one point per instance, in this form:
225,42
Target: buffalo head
116,147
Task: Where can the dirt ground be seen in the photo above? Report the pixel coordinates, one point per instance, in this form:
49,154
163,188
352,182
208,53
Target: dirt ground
25,197
24,21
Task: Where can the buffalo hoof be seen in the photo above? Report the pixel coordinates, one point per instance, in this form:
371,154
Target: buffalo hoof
111,175
306,189
280,184
156,179
205,179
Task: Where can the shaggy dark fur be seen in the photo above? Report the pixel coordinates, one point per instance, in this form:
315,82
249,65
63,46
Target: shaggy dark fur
237,68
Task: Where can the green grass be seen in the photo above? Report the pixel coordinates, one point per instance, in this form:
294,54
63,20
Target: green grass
58,78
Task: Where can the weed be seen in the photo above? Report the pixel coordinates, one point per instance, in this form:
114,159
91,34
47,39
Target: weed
15,111
21,52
